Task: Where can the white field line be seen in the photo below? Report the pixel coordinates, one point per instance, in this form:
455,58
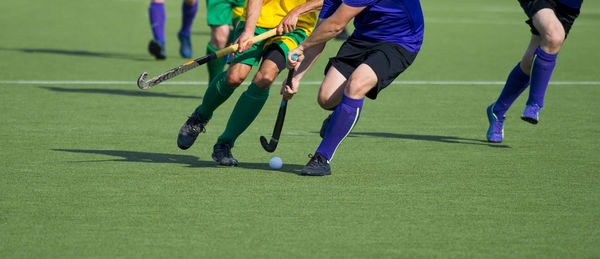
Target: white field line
64,82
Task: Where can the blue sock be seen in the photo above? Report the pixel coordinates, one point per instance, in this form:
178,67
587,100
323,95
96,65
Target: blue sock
189,12
515,84
343,120
157,21
541,71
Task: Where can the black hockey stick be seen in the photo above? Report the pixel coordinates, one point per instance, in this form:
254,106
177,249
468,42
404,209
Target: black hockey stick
142,84
272,145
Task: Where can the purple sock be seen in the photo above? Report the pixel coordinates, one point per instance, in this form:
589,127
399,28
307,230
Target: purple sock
515,84
541,70
157,21
189,12
344,118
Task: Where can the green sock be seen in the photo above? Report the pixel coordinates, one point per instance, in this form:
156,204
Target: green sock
245,111
215,67
216,93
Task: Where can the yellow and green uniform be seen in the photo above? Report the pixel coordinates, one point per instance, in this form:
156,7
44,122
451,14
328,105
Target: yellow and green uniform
271,14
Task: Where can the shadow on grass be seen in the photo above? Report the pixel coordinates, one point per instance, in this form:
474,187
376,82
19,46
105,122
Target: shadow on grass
83,53
136,92
442,139
162,158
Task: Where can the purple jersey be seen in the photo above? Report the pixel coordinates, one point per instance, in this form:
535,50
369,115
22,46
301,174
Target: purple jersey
572,3
398,21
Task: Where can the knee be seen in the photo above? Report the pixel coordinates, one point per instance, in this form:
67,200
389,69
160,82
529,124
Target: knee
359,87
553,40
234,79
265,77
219,36
326,102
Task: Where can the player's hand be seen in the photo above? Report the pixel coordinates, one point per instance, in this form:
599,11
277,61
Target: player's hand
288,91
288,23
295,57
246,35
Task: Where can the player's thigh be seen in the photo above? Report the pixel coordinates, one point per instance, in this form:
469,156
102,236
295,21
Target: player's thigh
362,80
549,26
332,88
266,74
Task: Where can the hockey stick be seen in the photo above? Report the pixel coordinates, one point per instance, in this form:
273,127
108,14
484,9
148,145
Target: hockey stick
272,145
142,84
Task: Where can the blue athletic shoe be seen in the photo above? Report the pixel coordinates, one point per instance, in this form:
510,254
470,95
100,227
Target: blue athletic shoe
495,132
531,113
157,49
185,50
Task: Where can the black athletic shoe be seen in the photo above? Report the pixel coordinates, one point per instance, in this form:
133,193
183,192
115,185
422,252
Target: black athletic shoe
157,49
317,166
222,155
324,125
189,131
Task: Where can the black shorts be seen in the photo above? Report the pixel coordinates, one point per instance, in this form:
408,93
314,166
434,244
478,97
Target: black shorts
387,59
565,14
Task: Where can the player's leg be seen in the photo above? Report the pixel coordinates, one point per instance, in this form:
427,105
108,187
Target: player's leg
219,35
343,119
218,91
330,94
219,17
552,36
251,101
516,83
157,22
188,11
347,112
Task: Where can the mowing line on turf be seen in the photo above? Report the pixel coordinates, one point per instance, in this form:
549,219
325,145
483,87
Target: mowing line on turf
64,82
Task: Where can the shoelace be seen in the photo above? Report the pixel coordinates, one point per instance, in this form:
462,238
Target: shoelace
196,124
314,159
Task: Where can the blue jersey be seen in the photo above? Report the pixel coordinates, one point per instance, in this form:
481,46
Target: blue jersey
572,3
398,21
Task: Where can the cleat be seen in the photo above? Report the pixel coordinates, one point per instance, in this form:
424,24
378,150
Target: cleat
190,130
157,49
222,155
495,132
324,125
317,166
531,113
185,50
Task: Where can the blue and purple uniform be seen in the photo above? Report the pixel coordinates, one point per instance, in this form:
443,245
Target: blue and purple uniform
572,3
398,21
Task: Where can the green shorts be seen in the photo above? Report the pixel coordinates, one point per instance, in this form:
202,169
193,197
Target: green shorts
252,57
220,12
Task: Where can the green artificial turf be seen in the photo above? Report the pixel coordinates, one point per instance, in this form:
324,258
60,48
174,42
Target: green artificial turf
90,167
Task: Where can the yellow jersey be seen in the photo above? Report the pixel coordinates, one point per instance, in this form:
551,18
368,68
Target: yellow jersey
273,11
